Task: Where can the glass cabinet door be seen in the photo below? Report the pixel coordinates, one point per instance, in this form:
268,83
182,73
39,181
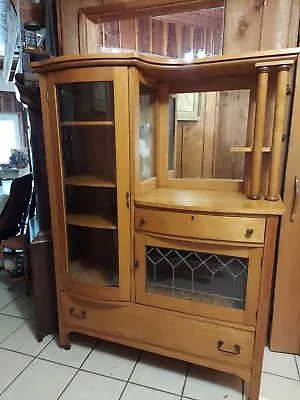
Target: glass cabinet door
211,281
147,131
95,180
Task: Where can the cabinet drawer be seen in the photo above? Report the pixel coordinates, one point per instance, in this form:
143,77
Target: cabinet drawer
236,229
161,331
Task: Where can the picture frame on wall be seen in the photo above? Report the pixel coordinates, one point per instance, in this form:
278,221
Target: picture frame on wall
190,106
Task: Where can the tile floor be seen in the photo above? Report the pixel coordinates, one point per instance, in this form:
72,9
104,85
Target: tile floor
97,370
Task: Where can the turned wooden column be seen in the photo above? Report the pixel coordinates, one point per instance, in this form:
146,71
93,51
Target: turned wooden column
282,78
263,77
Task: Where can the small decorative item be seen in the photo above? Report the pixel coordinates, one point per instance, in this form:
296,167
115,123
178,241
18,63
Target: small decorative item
190,106
19,158
31,34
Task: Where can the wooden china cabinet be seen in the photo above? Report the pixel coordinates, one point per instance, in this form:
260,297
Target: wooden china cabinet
180,267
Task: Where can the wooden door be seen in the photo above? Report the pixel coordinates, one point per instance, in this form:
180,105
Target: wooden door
89,129
285,328
213,281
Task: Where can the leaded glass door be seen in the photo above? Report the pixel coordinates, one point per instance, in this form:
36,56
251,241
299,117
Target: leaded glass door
214,281
94,202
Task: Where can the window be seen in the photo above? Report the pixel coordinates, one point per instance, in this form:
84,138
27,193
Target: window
10,135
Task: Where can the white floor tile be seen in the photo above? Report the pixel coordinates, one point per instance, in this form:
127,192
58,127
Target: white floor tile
24,340
8,325
134,392
112,359
5,282
11,365
42,380
22,307
298,363
160,372
280,364
81,346
7,296
203,383
277,388
87,386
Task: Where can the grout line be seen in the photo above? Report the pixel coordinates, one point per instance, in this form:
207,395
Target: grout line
297,366
78,369
68,384
57,362
1,393
14,316
25,321
33,358
185,380
104,376
153,388
280,376
20,294
138,359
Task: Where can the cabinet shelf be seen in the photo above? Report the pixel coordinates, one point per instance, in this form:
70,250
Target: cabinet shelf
92,221
90,180
247,149
86,123
91,271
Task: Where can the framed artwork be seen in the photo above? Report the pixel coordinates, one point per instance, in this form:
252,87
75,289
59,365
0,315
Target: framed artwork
190,106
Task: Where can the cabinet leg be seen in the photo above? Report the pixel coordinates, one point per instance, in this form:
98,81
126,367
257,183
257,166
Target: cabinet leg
246,391
64,341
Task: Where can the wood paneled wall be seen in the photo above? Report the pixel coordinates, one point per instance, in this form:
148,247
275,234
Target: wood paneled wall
203,147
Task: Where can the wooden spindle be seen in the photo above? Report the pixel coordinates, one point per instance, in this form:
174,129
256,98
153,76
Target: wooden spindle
249,139
260,114
282,79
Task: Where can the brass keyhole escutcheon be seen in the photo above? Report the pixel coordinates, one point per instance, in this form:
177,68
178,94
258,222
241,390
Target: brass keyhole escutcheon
192,218
249,232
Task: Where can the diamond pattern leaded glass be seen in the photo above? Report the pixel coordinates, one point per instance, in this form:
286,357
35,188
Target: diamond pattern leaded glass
202,277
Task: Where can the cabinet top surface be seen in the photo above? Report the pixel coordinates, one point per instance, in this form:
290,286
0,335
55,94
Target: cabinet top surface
209,201
160,67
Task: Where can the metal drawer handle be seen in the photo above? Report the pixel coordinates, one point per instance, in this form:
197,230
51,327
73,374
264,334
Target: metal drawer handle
82,315
143,221
235,352
249,232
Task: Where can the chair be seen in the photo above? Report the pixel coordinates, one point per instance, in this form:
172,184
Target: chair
12,224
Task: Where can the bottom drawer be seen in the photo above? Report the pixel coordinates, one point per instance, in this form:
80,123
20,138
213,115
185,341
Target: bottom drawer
140,324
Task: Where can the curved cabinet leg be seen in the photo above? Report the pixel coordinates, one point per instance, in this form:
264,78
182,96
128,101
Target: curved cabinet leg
64,341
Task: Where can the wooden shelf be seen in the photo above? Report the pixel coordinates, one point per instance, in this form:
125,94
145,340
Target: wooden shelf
245,149
86,123
90,180
92,221
91,271
209,201
37,51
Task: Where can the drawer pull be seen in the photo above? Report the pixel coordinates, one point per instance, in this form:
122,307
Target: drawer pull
235,352
82,315
249,232
143,221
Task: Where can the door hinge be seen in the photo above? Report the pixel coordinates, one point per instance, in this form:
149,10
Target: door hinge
128,200
289,90
47,96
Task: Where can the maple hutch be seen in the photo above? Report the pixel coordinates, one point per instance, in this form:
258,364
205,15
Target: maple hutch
180,267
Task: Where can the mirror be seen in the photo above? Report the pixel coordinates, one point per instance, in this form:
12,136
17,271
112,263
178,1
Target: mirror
181,35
